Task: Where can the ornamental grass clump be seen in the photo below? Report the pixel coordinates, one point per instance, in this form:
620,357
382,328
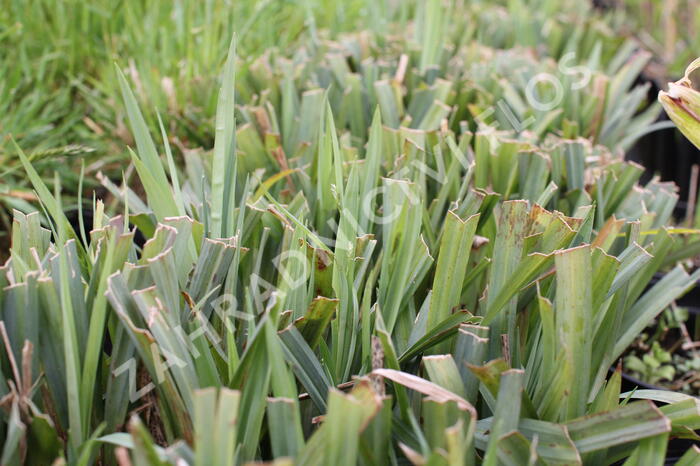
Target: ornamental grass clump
59,101
360,271
476,86
320,291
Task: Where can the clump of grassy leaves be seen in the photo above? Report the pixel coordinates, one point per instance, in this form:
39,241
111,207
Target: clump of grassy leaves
358,272
351,275
59,92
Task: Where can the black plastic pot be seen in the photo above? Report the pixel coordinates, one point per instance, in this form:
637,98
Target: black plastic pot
666,152
74,219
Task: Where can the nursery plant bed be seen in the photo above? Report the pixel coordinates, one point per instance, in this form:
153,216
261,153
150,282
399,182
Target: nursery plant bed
273,315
